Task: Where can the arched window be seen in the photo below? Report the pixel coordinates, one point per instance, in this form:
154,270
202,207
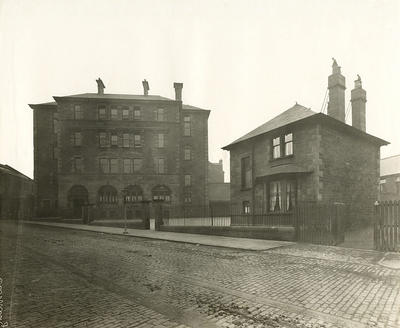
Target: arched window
133,194
78,192
107,195
161,193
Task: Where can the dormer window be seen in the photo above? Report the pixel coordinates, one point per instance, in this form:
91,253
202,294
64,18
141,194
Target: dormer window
282,146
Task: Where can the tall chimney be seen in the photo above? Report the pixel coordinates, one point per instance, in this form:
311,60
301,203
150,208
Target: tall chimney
358,100
100,86
178,91
336,86
146,87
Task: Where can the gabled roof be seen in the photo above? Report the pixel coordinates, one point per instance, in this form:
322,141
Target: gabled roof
293,114
300,113
390,165
10,170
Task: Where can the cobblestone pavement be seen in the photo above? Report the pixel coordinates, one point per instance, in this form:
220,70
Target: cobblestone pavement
64,278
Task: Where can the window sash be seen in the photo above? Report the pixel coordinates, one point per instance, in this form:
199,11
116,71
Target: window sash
127,163
160,114
103,139
246,172
114,113
114,140
125,114
188,180
187,154
137,164
77,139
104,165
125,140
137,114
114,165
102,112
137,140
78,112
161,140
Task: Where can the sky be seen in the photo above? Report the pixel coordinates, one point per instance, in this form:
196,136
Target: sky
247,61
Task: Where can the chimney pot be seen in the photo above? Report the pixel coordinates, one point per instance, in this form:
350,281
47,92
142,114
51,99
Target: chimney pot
100,86
146,87
178,91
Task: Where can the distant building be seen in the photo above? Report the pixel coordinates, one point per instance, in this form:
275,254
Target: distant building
302,155
389,184
90,147
16,194
218,190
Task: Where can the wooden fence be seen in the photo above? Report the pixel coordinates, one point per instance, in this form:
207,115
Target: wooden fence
387,226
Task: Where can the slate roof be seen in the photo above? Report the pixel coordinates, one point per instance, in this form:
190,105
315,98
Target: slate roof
293,114
117,96
390,165
4,168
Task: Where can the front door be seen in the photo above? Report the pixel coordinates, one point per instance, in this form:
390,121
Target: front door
77,204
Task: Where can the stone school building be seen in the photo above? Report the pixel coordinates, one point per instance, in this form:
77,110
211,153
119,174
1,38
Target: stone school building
301,155
101,149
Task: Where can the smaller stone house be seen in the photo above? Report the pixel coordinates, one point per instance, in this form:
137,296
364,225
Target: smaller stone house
301,155
16,194
389,184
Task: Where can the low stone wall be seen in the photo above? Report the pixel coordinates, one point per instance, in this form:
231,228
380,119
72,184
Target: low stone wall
278,233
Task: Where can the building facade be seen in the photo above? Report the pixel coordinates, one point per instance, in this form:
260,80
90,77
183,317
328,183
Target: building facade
389,184
16,194
302,156
218,189
101,149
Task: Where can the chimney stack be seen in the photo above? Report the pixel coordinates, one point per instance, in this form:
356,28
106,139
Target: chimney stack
358,100
100,86
336,86
146,87
178,91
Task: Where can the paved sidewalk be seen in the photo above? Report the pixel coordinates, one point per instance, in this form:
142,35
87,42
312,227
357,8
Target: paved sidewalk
219,241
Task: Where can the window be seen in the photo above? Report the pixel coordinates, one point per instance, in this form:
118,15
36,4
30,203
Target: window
188,196
188,180
137,164
276,144
160,165
114,113
187,153
137,113
290,195
282,195
382,185
282,146
127,163
125,140
102,112
275,196
114,140
78,112
77,138
246,207
114,165
125,113
398,185
104,165
77,165
138,140
160,114
161,193
103,139
246,173
160,140
107,195
187,126
288,144
133,194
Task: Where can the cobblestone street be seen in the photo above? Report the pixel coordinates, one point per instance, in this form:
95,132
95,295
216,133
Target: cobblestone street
54,277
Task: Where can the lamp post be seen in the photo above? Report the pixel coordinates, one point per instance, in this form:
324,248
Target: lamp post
124,194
